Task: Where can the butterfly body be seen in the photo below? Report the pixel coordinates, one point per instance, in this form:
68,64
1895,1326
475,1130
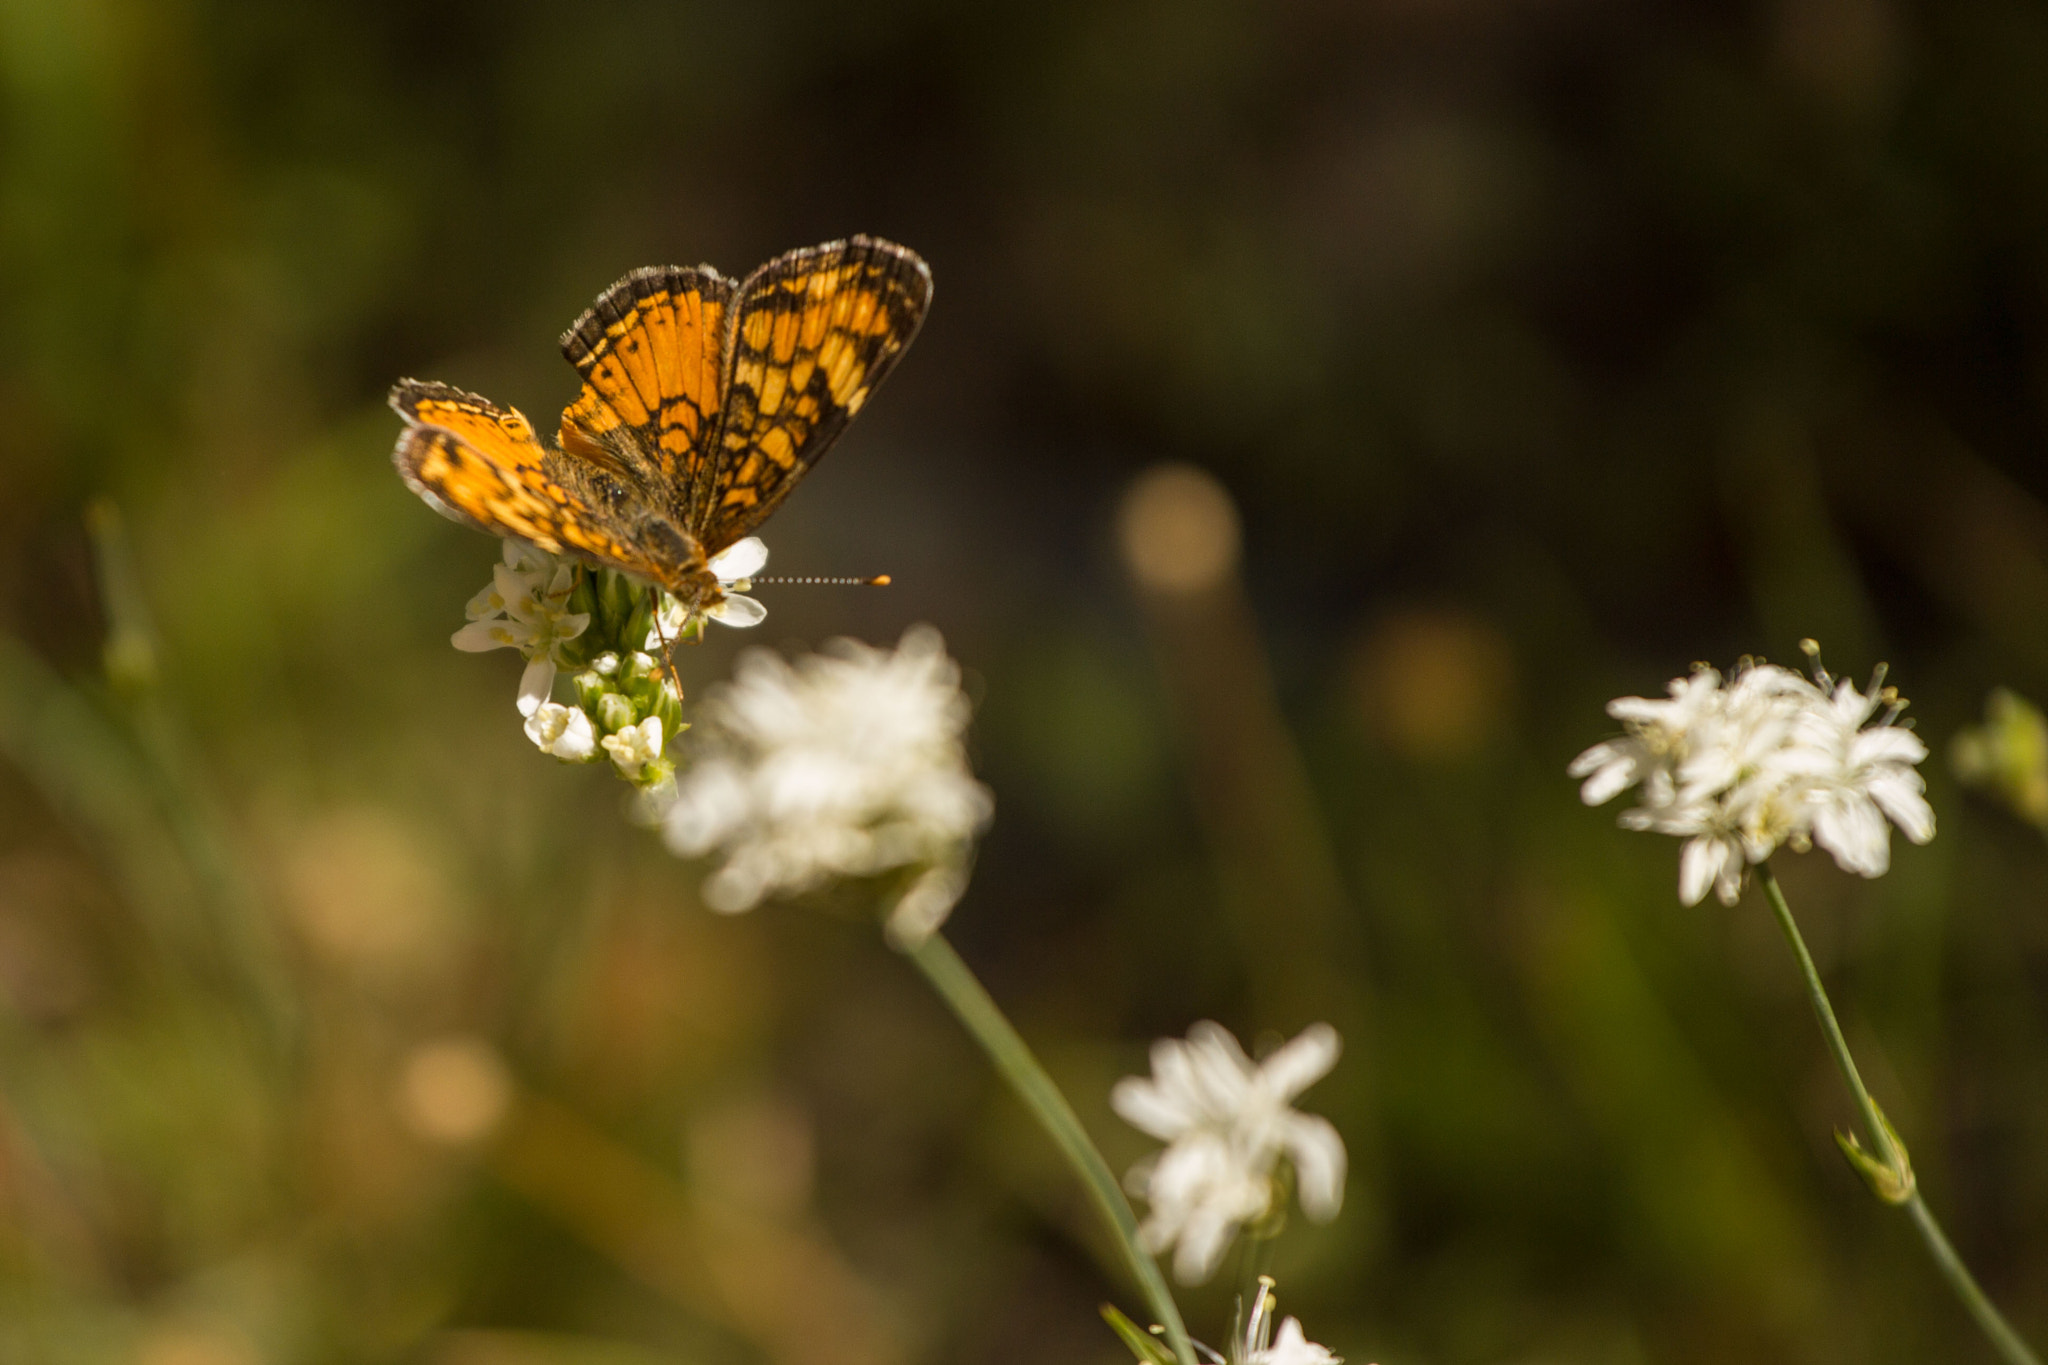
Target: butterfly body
704,401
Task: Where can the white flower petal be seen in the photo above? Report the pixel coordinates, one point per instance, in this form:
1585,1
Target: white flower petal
1202,1244
493,633
1299,1064
1887,744
1146,1107
1728,885
741,559
1851,828
486,603
535,683
1699,867
520,592
737,610
1319,1163
1899,795
1610,780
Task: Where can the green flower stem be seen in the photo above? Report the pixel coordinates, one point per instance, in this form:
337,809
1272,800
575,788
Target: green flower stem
1889,1152
971,1004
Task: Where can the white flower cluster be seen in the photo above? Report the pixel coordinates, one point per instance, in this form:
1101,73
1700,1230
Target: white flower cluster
1226,1122
1766,757
846,763
615,631
525,607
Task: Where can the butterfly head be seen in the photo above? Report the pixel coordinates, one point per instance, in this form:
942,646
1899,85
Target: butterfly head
684,573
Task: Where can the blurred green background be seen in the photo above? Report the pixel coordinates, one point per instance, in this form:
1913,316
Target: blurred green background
1545,346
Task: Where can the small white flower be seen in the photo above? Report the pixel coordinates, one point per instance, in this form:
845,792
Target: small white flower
1227,1121
846,764
564,731
1654,729
1292,1347
1258,1346
636,746
1201,1190
525,608
1864,774
734,567
1765,759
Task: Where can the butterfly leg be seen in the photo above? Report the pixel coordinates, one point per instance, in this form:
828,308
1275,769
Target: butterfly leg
668,649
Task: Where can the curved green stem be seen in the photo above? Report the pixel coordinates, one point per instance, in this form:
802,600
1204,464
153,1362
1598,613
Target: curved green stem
1892,1160
972,1005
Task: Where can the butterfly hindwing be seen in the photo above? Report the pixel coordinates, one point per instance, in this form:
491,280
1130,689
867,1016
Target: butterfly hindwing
651,354
481,465
814,332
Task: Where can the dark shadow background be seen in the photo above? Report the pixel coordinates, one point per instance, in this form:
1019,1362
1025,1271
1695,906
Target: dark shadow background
1546,346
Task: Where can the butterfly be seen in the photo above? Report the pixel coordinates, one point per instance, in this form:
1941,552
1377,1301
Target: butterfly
704,401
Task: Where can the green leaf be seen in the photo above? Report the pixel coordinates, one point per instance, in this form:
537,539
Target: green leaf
1147,1348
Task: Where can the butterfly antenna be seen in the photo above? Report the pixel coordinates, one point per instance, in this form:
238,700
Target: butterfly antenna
880,580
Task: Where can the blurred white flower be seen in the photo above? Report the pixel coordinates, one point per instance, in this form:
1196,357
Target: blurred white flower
1764,759
525,607
1292,1347
734,567
846,763
1259,1346
564,731
1864,773
1226,1122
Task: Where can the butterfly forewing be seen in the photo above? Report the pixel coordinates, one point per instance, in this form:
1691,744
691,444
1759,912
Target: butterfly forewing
814,332
651,353
480,465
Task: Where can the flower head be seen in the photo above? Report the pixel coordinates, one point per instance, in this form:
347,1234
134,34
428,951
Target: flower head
1227,1121
526,607
1766,757
847,763
561,614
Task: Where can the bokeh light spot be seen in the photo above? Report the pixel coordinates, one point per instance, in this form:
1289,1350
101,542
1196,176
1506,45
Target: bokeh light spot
454,1090
1179,529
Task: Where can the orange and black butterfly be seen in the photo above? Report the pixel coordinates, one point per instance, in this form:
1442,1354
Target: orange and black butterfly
704,401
